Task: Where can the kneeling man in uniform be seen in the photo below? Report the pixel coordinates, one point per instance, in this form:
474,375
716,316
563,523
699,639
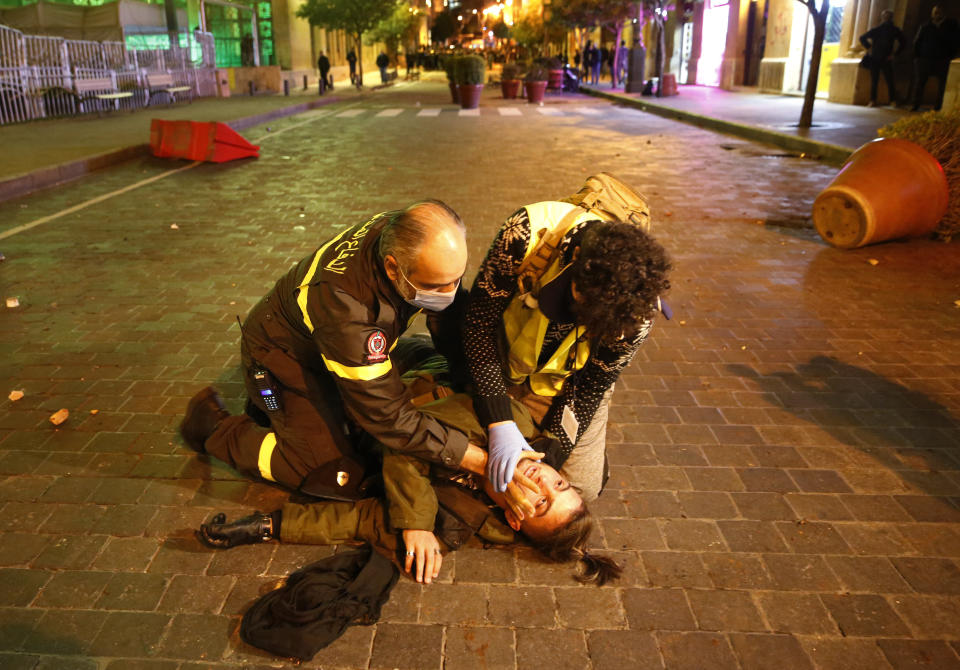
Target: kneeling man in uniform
322,357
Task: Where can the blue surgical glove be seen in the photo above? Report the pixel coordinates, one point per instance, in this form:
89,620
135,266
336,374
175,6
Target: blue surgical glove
505,446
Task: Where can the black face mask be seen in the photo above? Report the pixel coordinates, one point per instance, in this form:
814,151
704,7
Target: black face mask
556,299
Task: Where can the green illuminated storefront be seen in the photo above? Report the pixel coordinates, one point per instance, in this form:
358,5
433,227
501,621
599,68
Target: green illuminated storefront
243,30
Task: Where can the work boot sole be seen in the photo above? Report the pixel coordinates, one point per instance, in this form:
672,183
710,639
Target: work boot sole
196,436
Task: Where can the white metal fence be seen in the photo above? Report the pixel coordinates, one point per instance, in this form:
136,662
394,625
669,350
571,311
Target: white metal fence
38,73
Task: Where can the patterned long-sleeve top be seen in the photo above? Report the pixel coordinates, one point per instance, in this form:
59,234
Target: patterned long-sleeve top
495,286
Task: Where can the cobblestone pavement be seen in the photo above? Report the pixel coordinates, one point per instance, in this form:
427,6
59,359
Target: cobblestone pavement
785,476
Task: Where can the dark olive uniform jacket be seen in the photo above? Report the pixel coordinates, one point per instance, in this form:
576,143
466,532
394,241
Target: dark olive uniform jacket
336,316
418,496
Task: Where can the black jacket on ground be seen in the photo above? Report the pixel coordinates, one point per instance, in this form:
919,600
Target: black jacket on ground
318,602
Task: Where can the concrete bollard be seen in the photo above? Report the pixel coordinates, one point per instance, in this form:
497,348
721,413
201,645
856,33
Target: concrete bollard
286,87
304,82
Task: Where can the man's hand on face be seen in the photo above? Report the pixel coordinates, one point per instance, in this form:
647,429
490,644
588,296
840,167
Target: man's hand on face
515,496
423,547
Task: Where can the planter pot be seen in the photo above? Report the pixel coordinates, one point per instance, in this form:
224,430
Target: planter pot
510,88
470,95
888,188
535,90
555,83
454,93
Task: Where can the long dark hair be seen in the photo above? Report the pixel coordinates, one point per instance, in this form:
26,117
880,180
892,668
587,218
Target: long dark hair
569,543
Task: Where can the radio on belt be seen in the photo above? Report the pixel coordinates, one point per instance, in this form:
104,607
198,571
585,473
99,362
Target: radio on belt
268,390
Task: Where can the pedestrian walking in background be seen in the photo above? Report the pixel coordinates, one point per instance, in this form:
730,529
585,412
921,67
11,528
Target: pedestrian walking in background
352,62
604,60
880,42
623,55
382,62
937,42
323,65
591,62
576,62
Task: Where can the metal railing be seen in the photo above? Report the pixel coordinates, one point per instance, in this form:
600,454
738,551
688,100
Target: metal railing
38,73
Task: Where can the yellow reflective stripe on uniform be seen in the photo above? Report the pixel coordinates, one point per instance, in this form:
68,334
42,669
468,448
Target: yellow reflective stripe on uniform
266,453
361,372
307,278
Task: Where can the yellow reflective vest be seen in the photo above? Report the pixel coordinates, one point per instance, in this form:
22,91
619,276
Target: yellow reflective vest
525,325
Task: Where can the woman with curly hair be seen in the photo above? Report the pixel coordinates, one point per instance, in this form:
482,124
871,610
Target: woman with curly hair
559,342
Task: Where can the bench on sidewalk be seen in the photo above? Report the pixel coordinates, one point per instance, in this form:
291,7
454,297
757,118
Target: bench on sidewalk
163,83
98,88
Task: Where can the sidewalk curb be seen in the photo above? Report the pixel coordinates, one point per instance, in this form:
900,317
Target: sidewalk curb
54,175
829,153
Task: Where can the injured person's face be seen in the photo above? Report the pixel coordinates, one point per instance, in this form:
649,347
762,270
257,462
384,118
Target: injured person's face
555,501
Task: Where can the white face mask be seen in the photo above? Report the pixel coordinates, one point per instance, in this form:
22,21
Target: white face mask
433,301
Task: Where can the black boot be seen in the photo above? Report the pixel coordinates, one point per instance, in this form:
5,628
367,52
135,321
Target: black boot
253,529
204,411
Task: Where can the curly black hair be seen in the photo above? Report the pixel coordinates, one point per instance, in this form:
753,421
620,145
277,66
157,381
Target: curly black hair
619,274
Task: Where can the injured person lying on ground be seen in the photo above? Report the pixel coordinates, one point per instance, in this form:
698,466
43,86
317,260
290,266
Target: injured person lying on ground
428,510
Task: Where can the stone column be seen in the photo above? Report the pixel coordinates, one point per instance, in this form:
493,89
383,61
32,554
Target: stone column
849,83
731,69
951,96
848,38
696,39
780,15
862,23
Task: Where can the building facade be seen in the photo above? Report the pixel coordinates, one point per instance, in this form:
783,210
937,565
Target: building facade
769,43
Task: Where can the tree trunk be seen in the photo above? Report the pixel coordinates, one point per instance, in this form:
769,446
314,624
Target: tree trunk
810,95
661,49
359,37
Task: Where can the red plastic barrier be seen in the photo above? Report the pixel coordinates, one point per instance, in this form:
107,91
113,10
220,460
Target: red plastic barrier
214,142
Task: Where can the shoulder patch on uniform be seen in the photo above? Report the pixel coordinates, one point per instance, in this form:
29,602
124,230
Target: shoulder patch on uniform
376,347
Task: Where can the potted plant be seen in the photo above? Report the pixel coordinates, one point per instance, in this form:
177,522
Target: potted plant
939,134
470,72
510,81
449,66
535,83
555,70
905,184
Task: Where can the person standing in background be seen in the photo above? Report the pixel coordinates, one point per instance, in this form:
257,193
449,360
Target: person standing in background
323,65
382,62
935,46
352,61
880,42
